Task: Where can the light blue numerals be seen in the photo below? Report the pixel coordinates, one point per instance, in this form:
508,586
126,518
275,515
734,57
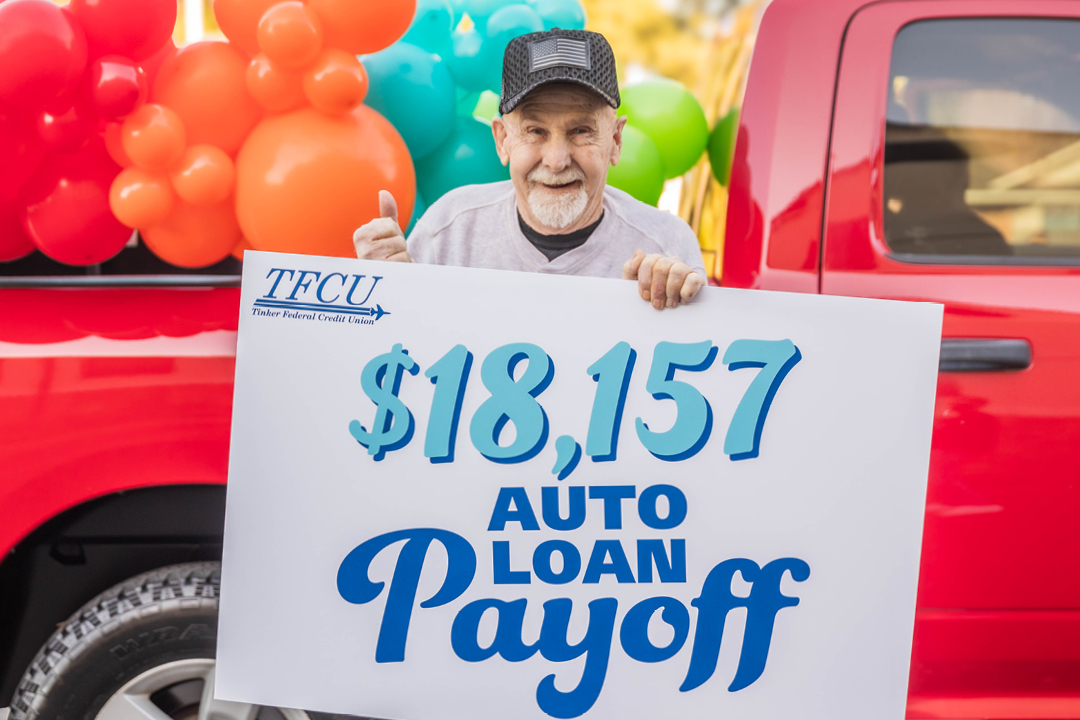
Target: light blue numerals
512,402
775,358
612,375
450,376
693,421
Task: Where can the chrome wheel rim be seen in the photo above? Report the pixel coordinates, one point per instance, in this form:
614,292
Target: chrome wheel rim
150,696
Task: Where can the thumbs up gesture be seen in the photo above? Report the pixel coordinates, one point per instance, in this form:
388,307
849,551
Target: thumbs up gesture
382,239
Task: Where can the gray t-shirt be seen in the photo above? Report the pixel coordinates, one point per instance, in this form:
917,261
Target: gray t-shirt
477,226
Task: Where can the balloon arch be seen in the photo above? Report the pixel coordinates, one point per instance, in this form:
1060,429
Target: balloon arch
277,139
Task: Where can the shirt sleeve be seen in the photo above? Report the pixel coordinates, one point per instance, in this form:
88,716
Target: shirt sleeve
421,244
689,251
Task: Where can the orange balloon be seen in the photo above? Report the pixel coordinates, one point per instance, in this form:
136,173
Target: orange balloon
205,83
114,145
290,34
140,199
239,21
337,83
153,137
275,89
305,181
363,26
204,175
194,236
238,251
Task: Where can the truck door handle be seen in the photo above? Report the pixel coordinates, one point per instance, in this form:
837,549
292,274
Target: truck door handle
983,355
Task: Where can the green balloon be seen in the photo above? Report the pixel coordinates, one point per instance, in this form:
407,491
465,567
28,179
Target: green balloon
466,157
487,107
722,145
672,117
640,171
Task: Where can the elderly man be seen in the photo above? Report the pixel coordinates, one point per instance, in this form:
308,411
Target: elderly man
558,133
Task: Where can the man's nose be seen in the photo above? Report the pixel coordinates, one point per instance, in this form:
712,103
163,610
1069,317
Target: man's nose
557,154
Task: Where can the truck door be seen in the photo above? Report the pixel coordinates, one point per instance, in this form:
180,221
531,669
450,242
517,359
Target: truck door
954,177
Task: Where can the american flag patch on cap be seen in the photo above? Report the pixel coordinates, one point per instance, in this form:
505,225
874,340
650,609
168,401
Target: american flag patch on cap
558,51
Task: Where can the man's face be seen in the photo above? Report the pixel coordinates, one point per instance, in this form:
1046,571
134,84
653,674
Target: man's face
559,143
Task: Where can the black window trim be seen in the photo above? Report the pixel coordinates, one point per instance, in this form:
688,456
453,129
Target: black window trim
118,281
990,260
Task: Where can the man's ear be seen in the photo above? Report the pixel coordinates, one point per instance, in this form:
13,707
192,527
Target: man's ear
616,148
498,131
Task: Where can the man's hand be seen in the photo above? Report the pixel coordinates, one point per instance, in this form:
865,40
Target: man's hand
382,239
663,281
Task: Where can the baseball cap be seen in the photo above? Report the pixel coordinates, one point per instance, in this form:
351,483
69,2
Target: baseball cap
575,56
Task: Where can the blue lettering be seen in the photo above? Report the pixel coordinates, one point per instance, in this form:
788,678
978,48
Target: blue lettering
512,505
716,600
676,507
634,633
319,291
571,562
595,646
500,553
356,586
507,643
612,495
669,570
549,505
374,281
300,284
281,273
599,565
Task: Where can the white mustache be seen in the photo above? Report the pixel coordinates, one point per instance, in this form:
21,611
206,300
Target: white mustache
541,174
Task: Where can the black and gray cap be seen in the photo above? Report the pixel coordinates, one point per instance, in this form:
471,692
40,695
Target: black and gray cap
575,56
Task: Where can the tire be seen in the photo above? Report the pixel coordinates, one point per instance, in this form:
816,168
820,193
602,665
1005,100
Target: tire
163,618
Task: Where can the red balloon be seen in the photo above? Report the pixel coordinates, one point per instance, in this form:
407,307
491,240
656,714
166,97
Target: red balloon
114,144
20,151
132,28
117,86
152,64
65,207
14,243
68,131
42,53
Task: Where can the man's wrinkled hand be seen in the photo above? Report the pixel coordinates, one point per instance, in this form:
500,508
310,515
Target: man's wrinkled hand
663,281
382,239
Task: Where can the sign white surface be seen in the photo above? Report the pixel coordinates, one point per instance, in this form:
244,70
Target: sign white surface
736,532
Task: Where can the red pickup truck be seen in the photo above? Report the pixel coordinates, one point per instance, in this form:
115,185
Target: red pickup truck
906,149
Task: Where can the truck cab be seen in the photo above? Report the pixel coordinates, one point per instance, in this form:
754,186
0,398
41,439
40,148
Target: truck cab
930,151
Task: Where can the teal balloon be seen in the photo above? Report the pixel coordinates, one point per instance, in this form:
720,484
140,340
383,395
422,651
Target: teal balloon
640,171
466,102
479,10
466,157
412,89
432,26
469,64
503,26
722,145
565,14
419,207
672,117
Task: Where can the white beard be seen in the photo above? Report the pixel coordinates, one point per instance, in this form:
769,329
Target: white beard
557,209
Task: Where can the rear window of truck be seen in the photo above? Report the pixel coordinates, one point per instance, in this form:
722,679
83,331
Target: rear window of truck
982,142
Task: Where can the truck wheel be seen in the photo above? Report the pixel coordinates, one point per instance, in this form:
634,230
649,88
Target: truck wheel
143,650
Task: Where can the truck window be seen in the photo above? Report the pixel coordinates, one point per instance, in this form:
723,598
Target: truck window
982,142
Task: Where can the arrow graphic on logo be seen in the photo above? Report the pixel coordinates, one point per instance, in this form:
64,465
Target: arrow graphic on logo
376,312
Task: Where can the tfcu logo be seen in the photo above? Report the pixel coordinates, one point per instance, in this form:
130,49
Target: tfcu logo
312,295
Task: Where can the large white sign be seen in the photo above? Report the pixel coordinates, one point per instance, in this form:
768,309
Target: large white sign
477,495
